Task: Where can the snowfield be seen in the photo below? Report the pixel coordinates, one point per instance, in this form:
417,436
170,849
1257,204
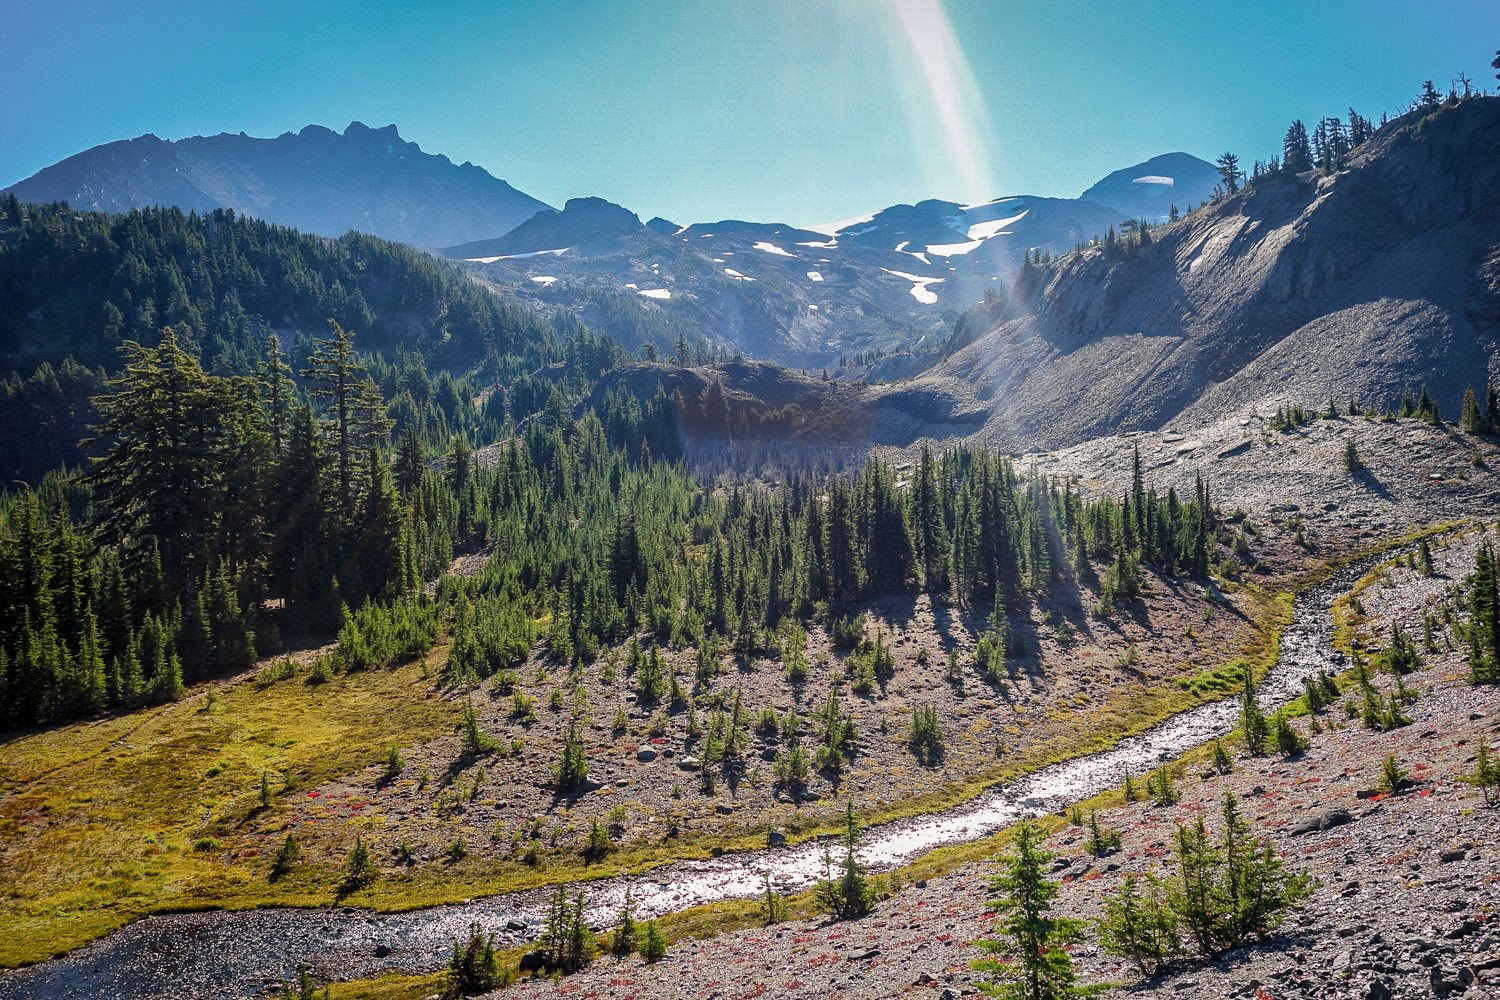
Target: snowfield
773,249
919,286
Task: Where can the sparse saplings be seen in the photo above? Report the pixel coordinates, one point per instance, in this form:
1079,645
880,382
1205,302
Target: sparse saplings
1226,892
288,855
573,768
1159,787
1486,774
845,892
773,905
1223,763
623,942
653,943
1352,462
1484,619
1102,840
359,870
926,739
1252,721
1138,925
567,944
1289,742
1392,775
1028,955
473,969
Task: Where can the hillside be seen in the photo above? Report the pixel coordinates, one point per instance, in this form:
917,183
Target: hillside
1383,276
317,180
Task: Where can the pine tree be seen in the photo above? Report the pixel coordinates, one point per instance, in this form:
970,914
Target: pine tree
1296,150
356,416
1140,926
1229,172
623,942
1484,619
1469,421
1030,960
1252,721
653,943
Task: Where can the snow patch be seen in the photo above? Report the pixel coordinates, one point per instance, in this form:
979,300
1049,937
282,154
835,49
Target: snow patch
901,248
631,284
773,249
1155,179
656,293
737,276
821,244
919,286
988,230
954,249
814,276
532,253
543,279
834,228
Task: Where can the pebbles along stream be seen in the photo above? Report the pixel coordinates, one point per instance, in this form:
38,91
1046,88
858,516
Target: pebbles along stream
249,952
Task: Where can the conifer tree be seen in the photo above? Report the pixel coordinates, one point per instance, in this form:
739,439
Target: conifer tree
1029,960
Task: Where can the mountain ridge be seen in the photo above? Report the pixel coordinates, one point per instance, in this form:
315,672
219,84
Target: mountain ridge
315,179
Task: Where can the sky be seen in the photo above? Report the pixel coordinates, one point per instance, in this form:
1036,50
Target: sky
796,111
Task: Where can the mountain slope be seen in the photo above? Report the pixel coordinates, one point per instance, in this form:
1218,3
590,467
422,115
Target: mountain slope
316,180
1382,277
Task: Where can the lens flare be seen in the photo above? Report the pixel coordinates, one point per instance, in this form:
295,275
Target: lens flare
955,97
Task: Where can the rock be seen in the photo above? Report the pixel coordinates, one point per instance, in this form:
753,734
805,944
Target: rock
646,754
382,950
1342,961
1453,854
866,956
775,838
688,763
723,809
533,962
515,925
1323,821
1378,990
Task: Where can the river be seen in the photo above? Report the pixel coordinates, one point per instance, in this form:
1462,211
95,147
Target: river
217,954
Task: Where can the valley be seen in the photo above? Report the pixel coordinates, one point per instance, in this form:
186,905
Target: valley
412,590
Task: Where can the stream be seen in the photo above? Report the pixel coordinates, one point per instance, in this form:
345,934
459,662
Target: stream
247,953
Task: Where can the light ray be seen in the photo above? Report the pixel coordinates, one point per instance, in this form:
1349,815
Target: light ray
954,94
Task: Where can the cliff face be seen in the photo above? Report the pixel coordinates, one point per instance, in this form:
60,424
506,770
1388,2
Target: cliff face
1384,276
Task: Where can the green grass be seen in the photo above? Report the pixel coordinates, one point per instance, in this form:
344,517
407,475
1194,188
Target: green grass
159,810
1217,681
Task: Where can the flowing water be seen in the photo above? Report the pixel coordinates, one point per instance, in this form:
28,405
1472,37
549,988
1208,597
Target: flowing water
244,953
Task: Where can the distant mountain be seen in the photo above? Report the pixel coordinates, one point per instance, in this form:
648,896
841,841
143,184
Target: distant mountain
316,180
592,225
892,281
1149,190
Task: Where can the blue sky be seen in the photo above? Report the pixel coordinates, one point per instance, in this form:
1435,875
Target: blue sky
787,110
